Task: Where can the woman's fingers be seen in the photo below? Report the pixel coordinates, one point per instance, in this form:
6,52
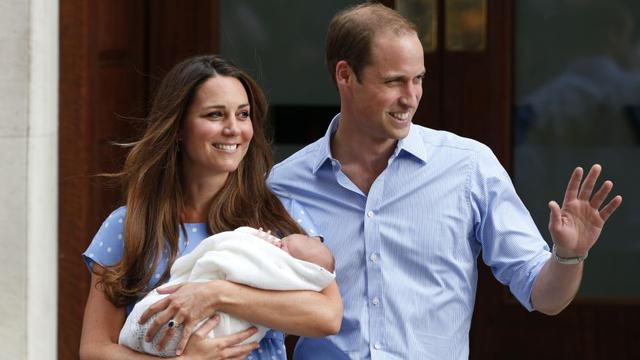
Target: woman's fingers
237,338
207,327
168,334
229,348
156,324
169,289
153,309
239,351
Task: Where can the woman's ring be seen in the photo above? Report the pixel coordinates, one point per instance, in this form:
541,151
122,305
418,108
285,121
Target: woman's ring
172,324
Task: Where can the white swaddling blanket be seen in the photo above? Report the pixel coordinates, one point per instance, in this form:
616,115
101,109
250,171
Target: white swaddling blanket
239,256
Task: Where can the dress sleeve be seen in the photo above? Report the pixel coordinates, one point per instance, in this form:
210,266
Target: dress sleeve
107,245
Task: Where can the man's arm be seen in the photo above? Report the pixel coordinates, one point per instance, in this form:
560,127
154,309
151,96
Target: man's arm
574,229
555,286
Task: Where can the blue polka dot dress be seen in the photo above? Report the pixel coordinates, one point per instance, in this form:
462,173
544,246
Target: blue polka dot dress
107,248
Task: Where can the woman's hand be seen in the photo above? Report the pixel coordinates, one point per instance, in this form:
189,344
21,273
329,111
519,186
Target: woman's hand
187,305
226,347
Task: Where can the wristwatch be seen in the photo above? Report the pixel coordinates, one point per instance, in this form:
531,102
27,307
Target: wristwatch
568,260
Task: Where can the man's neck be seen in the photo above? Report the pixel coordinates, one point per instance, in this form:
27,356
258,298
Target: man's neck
361,158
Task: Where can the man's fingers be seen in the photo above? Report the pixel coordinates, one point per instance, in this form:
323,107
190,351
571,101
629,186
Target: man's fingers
555,215
589,182
610,207
574,184
237,338
601,194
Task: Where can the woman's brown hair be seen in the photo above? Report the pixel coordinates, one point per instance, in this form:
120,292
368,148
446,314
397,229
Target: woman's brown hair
154,195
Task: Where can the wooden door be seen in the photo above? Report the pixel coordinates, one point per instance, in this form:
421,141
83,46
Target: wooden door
111,54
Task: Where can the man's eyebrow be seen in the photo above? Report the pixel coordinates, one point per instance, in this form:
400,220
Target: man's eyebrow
401,77
394,77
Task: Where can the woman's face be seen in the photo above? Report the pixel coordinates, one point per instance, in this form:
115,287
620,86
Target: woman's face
217,129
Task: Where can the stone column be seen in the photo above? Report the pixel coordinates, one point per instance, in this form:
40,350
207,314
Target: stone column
28,178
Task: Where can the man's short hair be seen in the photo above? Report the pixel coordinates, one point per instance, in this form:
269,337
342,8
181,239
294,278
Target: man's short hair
352,30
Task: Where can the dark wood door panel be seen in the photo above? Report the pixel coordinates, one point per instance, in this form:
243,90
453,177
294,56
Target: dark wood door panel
101,47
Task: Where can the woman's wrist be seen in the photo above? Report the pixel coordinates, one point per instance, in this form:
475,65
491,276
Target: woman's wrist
218,294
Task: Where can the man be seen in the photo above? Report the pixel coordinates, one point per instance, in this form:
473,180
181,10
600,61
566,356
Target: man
406,210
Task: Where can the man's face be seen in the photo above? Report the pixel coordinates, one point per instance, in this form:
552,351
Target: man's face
385,99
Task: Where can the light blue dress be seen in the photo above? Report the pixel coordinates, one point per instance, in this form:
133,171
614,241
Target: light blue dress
107,247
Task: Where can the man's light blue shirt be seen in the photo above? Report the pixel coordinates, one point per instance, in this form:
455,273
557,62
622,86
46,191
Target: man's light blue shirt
406,252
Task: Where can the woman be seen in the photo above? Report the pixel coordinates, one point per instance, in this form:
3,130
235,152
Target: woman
198,169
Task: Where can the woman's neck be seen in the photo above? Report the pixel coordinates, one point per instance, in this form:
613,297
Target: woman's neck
198,196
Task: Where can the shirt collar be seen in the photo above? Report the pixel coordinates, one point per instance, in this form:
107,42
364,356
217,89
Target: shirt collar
412,144
324,153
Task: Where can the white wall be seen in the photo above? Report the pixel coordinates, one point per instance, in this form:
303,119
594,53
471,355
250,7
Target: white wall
28,178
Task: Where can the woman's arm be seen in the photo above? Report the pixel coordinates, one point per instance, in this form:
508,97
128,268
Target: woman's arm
101,327
306,313
103,321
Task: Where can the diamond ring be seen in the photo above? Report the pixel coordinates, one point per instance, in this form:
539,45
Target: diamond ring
172,324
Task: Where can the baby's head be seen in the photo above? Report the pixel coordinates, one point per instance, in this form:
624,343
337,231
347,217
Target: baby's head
309,249
302,247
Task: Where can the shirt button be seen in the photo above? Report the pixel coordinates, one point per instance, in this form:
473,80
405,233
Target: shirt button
374,257
375,301
377,346
370,214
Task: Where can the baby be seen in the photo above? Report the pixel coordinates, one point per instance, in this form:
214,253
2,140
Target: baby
245,256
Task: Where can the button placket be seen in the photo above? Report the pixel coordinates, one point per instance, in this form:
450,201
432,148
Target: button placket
375,288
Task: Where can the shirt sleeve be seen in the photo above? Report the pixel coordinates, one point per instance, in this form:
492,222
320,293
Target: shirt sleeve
107,245
511,243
